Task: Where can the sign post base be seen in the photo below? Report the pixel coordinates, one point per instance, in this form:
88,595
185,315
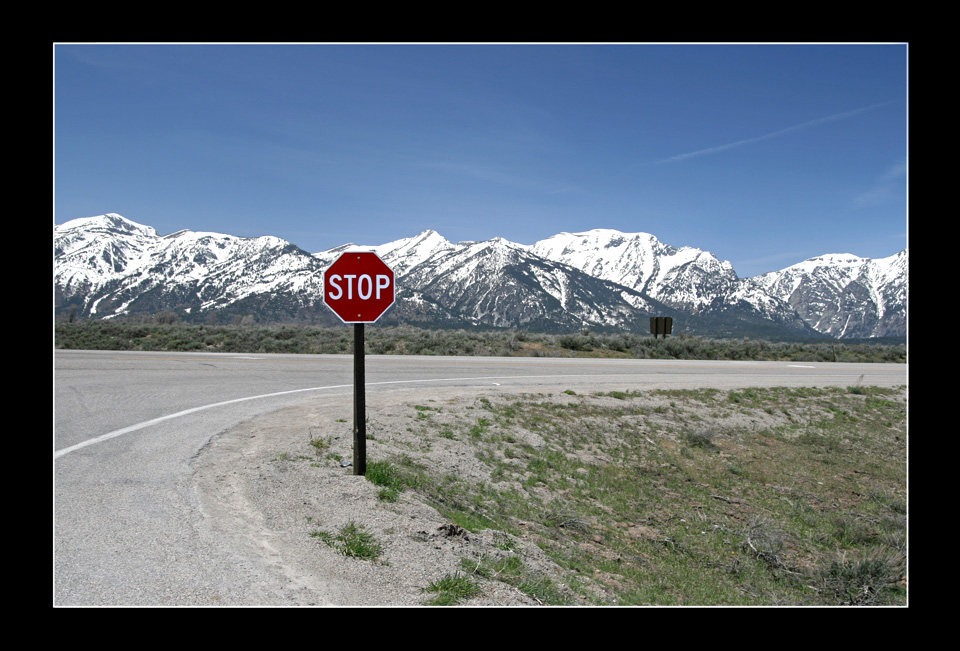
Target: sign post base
359,404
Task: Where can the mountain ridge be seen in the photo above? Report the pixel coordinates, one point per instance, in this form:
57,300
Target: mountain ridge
108,266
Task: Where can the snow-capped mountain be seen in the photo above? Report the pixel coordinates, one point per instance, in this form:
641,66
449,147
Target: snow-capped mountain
836,295
503,284
686,278
843,295
109,266
500,284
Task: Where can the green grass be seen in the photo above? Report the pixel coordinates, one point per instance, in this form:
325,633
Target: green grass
391,480
783,496
352,540
320,445
512,571
452,589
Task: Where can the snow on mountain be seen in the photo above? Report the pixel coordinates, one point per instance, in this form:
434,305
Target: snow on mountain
685,278
500,283
400,255
844,295
839,295
626,259
403,255
96,249
109,266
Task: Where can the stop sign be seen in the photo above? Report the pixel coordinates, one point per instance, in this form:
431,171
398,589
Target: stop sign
359,287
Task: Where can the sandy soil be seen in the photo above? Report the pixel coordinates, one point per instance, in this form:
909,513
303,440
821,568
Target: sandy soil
263,489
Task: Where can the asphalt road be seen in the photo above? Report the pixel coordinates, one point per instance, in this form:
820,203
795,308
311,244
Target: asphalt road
127,425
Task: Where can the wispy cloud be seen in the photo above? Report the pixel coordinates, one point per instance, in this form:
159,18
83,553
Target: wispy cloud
797,127
887,187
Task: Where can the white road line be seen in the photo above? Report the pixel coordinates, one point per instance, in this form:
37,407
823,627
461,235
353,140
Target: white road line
186,412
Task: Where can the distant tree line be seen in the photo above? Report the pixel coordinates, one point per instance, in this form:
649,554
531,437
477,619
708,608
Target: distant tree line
164,332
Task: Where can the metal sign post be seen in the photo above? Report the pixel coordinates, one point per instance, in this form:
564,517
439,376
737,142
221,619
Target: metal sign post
359,404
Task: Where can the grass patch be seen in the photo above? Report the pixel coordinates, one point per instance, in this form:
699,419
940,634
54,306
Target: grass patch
783,496
391,479
320,445
452,589
512,571
352,540
874,577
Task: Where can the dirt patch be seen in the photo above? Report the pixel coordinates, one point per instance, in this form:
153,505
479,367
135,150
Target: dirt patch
264,489
277,489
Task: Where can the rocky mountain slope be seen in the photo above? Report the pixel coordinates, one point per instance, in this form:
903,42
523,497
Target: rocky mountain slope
109,266
844,295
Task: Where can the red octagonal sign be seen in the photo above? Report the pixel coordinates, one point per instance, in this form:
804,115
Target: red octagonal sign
359,287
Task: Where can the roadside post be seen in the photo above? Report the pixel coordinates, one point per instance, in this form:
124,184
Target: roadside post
359,287
661,325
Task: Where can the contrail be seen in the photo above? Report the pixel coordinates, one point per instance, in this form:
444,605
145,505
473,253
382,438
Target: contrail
774,134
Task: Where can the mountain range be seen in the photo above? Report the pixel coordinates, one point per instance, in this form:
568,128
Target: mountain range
109,266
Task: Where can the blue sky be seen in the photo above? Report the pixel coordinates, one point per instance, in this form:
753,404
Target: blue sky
763,154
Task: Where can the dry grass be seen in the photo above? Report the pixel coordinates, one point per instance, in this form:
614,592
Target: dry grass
752,497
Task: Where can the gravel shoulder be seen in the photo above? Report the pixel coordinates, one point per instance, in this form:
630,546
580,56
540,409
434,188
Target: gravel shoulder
262,491
265,492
